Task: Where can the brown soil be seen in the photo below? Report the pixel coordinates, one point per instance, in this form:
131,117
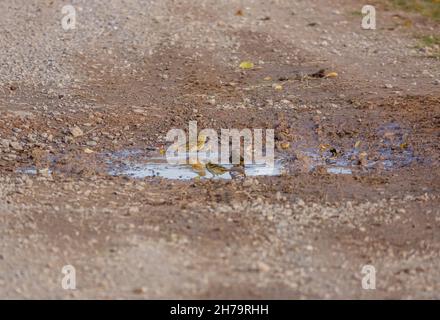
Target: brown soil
305,234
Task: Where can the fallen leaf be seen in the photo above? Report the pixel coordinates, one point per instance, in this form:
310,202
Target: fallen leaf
357,144
239,13
404,145
331,75
408,23
278,87
246,65
88,151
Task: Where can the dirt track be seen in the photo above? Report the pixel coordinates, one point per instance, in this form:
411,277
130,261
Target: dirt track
132,70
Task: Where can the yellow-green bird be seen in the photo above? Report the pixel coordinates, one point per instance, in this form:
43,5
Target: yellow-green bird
215,169
201,140
199,168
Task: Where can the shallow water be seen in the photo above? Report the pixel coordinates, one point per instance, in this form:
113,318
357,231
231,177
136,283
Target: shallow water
159,167
386,153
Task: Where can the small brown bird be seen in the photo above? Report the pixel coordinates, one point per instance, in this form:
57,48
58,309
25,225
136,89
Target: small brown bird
199,168
215,169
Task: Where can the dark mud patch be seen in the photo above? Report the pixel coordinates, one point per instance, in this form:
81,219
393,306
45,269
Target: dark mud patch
389,152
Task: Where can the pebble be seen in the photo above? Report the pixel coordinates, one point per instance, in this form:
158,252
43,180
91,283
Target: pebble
16,145
133,210
4,143
263,267
10,157
140,290
76,132
437,82
247,183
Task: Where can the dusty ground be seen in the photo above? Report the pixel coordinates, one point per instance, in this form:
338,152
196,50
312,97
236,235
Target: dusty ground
132,70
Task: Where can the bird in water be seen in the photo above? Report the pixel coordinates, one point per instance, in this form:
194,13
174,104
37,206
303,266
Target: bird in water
199,168
215,169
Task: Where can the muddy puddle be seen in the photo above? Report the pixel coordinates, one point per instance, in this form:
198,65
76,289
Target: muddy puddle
349,161
389,151
140,164
136,164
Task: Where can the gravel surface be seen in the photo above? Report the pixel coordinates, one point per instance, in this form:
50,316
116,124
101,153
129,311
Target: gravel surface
73,101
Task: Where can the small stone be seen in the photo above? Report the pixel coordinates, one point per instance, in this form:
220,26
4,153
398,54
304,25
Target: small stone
437,82
263,267
4,143
140,290
133,210
91,143
45,172
76,132
388,86
248,183
16,145
10,157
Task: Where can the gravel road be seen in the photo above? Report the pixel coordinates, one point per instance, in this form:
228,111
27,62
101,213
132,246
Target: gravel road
359,143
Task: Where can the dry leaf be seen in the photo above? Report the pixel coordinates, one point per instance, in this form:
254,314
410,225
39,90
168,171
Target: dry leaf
331,75
246,65
404,145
